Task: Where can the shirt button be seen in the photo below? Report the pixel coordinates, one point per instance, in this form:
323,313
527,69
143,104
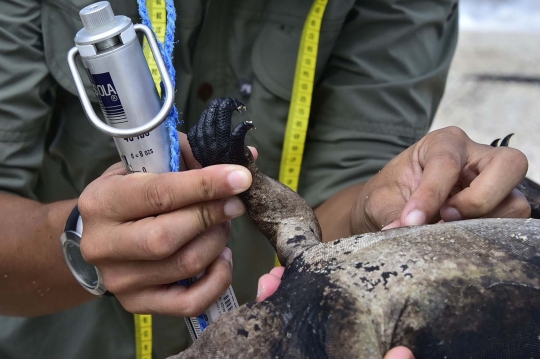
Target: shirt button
245,88
204,92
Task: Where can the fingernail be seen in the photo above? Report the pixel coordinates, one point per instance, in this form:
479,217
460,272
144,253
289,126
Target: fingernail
227,254
415,218
234,207
450,214
260,291
239,179
394,224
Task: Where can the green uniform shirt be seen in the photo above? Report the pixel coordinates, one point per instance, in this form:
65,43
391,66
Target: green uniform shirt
381,71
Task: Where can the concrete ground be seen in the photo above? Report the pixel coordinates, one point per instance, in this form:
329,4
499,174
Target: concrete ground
493,89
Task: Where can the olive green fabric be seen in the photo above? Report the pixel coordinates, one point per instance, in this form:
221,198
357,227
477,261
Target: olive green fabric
381,71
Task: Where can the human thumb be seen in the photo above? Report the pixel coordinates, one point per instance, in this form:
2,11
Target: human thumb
399,353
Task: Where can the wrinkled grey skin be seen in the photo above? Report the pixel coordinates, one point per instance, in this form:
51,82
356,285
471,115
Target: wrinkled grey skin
465,289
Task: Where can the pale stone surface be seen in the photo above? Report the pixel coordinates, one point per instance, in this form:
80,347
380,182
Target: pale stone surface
487,110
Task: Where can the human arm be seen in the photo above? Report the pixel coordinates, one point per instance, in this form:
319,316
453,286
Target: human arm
139,254
377,97
30,259
34,277
444,176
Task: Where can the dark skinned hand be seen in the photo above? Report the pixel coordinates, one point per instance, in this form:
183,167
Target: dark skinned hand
444,176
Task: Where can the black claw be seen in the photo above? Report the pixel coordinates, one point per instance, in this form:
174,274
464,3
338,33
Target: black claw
506,140
237,154
211,139
242,129
495,143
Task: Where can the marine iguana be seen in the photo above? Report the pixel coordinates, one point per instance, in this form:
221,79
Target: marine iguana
468,289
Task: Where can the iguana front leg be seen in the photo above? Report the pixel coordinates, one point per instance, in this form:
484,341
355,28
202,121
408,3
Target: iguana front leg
278,212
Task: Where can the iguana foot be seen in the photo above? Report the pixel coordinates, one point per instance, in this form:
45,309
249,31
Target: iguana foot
212,141
504,142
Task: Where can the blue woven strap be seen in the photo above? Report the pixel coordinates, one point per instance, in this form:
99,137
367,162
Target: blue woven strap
167,48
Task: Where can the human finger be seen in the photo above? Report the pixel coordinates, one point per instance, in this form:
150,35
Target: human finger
139,195
189,162
399,353
439,160
116,169
154,238
189,261
269,283
278,271
182,301
499,170
515,205
379,201
254,152
386,216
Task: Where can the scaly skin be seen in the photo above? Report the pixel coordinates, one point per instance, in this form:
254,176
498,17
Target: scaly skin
468,289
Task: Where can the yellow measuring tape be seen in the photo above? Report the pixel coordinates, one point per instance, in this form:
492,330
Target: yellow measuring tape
158,17
143,336
304,77
298,118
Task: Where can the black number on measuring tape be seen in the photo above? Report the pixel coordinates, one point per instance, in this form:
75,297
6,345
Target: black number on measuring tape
227,302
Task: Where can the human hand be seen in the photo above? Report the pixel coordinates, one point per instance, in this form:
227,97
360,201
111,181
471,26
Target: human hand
146,231
268,285
444,176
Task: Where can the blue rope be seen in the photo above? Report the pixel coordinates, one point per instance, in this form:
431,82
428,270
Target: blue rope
172,119
166,51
